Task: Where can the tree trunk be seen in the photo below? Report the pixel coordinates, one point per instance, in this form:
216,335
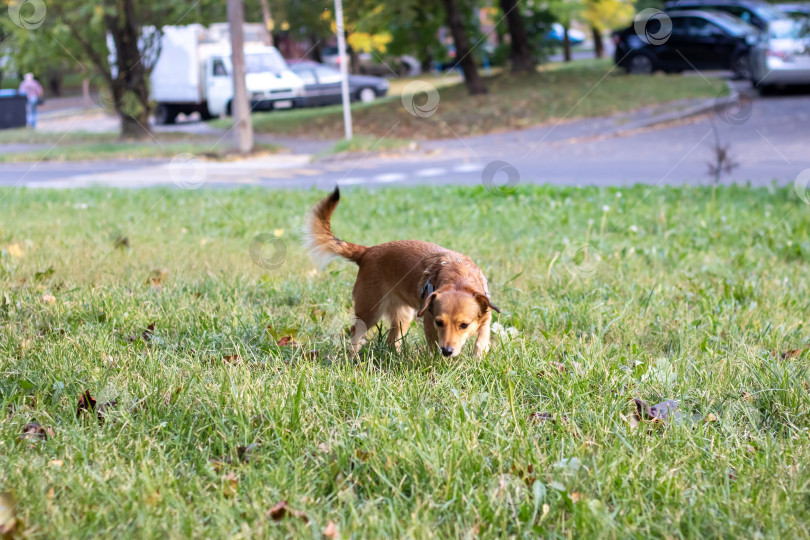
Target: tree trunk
130,86
267,20
599,45
425,63
566,44
315,50
522,57
475,84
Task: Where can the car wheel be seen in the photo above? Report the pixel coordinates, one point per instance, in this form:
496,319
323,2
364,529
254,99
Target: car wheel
741,66
228,110
367,95
640,64
165,114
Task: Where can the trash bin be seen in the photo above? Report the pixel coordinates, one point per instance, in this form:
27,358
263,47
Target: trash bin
12,109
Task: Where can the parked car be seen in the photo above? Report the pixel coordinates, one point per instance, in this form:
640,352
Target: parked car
755,12
557,34
795,11
322,85
782,55
699,40
401,66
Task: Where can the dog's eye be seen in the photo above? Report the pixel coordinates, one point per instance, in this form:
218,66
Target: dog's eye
464,325
439,323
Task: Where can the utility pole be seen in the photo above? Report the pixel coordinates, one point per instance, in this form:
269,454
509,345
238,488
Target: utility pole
344,69
240,106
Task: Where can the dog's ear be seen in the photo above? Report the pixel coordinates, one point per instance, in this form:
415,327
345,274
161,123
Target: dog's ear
429,300
485,303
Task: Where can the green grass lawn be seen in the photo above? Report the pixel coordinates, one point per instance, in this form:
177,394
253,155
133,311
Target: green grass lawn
77,146
580,89
150,300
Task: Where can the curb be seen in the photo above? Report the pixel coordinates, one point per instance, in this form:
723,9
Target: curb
696,110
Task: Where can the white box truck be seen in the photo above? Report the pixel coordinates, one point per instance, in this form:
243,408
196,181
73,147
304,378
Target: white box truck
194,74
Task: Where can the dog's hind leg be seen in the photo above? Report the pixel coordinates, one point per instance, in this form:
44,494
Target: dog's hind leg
360,328
401,318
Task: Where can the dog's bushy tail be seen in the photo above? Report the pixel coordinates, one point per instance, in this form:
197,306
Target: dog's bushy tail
321,243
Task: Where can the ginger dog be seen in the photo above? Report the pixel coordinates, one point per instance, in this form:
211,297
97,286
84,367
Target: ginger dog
402,279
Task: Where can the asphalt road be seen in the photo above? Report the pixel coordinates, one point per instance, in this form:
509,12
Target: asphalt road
767,139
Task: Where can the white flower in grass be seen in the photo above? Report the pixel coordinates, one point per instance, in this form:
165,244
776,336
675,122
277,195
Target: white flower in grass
633,229
504,331
605,208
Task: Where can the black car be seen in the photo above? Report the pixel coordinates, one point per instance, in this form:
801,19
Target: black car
797,12
754,12
696,40
322,85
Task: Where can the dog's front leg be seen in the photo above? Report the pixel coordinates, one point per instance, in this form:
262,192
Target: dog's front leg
430,334
482,342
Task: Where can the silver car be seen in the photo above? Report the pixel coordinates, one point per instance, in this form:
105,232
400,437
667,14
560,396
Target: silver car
781,57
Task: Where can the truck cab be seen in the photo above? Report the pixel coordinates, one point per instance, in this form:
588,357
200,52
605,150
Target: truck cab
269,81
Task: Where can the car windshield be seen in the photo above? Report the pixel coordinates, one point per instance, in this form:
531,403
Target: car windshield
270,61
768,12
787,29
735,26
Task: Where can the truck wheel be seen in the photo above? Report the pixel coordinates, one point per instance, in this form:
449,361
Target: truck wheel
205,115
165,114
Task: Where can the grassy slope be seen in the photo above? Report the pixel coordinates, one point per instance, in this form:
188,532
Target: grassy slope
580,90
692,295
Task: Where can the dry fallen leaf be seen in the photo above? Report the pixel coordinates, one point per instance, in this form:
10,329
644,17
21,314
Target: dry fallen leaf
244,452
287,341
157,276
281,510
232,359
15,250
33,431
8,514
48,299
576,497
331,531
146,335
711,418
88,404
230,484
661,412
747,396
55,463
793,353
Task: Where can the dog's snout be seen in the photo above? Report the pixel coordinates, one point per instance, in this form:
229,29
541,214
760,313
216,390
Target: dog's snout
447,351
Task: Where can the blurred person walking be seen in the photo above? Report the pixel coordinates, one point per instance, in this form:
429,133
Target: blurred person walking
33,91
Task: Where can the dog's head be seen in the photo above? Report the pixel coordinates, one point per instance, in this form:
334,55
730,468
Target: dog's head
457,314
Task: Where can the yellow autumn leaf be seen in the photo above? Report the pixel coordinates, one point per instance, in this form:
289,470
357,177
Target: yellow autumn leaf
278,233
15,250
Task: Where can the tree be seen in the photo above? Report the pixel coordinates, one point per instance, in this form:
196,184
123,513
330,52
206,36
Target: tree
602,15
117,40
522,54
566,11
475,84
